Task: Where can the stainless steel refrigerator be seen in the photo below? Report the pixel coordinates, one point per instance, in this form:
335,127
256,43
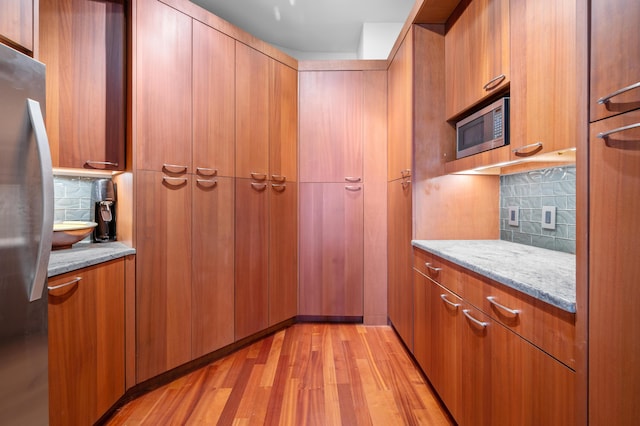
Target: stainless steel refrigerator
26,227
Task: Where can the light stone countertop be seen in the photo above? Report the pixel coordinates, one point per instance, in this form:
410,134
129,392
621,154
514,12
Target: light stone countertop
82,255
544,274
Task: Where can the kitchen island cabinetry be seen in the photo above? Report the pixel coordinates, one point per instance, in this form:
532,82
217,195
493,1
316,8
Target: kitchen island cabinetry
477,55
83,44
19,25
86,342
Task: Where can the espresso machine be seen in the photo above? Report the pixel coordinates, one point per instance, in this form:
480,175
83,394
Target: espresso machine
104,207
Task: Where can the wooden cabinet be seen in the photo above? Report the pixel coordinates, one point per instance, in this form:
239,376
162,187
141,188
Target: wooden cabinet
283,122
331,114
86,343
477,54
163,272
163,81
19,25
614,337
83,45
545,82
331,249
615,62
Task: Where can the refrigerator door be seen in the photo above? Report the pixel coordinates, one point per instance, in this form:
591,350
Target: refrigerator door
26,226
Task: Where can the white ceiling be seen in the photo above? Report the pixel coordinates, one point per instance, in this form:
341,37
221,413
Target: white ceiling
310,28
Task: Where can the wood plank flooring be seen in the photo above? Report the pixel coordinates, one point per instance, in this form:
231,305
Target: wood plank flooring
306,374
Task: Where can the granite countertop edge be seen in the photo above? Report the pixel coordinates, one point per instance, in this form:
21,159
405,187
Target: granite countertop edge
556,288
83,255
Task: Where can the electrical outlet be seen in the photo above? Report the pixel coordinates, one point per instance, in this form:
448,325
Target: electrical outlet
513,216
549,217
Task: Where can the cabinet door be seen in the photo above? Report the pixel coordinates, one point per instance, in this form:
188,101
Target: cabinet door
477,55
283,251
614,232
544,86
252,258
252,113
213,101
331,116
86,343
162,102
163,272
615,62
212,280
16,24
331,249
283,125
83,44
399,279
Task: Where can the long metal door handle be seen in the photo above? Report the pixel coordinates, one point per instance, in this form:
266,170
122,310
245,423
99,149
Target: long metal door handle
477,322
537,147
501,307
352,179
205,171
494,82
605,99
67,284
93,163
447,301
174,168
36,287
606,134
353,188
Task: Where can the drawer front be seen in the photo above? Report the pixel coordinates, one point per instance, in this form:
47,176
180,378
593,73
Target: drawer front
436,269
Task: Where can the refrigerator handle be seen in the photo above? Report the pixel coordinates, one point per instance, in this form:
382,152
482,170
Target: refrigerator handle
44,250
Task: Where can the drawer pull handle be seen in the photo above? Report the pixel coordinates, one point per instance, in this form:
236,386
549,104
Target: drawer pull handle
278,178
537,148
174,168
258,176
605,135
432,268
494,82
206,183
405,173
605,99
259,186
405,184
280,187
59,286
449,302
352,179
106,164
479,323
205,171
510,311
175,182
352,188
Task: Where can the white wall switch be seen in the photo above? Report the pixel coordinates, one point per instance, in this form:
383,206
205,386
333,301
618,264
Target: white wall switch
513,216
549,217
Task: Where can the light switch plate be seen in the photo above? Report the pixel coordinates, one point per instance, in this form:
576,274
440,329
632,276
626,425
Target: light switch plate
548,217
513,215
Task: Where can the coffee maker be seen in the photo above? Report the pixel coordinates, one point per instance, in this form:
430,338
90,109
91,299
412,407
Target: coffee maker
104,207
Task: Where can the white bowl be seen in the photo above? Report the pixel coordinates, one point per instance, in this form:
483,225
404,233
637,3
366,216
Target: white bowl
70,232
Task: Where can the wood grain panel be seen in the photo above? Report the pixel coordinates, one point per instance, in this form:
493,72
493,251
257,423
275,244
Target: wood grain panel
212,279
331,111
130,321
163,276
213,101
17,24
435,11
283,121
331,251
252,112
251,258
163,108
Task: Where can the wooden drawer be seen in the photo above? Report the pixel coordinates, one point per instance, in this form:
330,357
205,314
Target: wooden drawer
435,268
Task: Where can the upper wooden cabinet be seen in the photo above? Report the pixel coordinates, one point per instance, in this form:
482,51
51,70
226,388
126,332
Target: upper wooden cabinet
477,54
19,24
615,57
545,79
283,123
163,81
83,44
331,114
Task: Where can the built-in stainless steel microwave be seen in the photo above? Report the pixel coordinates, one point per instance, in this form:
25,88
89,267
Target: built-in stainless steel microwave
483,130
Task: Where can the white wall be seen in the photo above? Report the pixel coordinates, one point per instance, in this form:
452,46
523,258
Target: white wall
377,39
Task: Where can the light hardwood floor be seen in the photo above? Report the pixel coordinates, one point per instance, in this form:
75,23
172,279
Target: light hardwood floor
306,374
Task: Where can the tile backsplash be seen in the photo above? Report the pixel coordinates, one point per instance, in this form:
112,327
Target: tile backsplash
529,192
72,198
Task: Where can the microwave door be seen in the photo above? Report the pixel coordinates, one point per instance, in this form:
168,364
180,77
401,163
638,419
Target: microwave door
470,136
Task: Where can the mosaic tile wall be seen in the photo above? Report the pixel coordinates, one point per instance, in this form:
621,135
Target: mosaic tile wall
530,191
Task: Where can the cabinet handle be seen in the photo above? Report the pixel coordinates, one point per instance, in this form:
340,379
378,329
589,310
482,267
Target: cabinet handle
258,176
278,178
606,99
280,187
353,188
206,183
494,82
432,268
352,179
405,173
447,301
174,168
510,311
59,286
405,183
605,135
537,146
479,323
204,171
259,186
171,181
93,164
